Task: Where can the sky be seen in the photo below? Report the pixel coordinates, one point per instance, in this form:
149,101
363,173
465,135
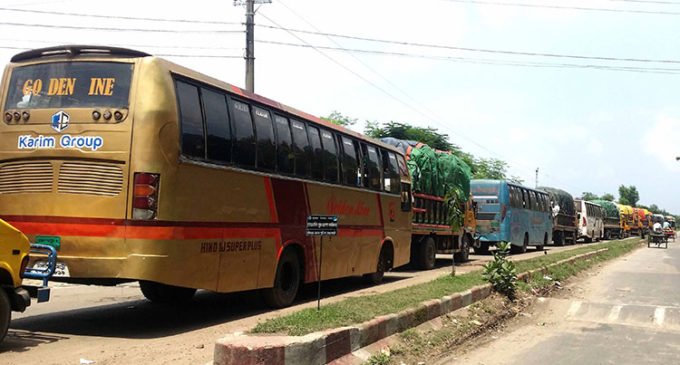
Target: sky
494,76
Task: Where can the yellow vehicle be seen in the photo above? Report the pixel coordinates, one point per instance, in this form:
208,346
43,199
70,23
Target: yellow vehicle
136,168
14,257
628,223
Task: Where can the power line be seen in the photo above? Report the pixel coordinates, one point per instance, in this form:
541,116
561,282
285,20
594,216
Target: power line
560,7
98,16
482,50
484,61
648,2
53,26
128,45
158,54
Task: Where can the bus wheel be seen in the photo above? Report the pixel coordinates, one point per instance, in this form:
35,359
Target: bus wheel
464,253
559,238
286,282
5,313
383,265
481,249
427,254
545,241
165,294
520,249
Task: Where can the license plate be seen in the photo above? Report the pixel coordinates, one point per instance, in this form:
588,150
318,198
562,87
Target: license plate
60,269
54,241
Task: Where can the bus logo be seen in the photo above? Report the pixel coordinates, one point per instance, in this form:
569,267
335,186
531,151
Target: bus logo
60,121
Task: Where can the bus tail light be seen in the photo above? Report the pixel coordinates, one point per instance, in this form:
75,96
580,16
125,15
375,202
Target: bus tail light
24,264
145,196
584,221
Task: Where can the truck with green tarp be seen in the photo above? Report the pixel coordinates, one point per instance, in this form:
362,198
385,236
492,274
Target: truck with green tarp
565,228
613,226
435,175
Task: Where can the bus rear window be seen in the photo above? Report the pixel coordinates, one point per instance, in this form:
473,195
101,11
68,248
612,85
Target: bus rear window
70,85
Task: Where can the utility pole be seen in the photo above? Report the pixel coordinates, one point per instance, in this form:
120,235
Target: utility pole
250,45
536,178
250,39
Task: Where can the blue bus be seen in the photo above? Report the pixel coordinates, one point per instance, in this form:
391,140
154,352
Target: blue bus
512,213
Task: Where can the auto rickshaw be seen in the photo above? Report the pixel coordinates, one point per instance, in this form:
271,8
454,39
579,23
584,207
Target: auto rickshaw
14,256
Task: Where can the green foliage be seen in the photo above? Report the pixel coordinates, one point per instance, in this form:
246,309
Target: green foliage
428,135
455,199
608,197
501,273
589,196
337,118
380,358
628,195
493,169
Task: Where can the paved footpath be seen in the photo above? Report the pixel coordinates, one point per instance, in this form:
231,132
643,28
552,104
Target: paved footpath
627,313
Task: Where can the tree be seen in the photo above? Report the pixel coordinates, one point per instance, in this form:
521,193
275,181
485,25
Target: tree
628,195
493,169
608,197
337,118
428,135
586,195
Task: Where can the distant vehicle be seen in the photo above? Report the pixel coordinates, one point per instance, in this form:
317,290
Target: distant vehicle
141,169
512,213
591,220
671,221
433,174
565,229
630,221
642,222
611,219
15,251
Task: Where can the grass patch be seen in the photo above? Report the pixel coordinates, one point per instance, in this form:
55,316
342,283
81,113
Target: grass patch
361,309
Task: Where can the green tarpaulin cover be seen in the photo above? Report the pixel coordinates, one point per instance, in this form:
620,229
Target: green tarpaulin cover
563,199
609,208
433,172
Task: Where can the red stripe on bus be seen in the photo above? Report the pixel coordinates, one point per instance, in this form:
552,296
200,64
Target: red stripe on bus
270,199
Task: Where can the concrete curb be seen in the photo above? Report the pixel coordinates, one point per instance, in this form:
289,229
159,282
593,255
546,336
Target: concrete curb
326,346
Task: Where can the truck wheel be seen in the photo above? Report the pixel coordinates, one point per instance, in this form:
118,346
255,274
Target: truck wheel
559,238
464,253
481,249
520,249
286,281
607,235
5,313
545,241
165,294
427,254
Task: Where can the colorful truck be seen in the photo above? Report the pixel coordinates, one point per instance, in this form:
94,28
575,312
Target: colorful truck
435,174
627,221
612,219
565,229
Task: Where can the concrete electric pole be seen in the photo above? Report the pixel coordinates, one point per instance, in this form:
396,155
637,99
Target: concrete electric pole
250,39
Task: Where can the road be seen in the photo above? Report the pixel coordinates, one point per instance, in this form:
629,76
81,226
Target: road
114,325
627,313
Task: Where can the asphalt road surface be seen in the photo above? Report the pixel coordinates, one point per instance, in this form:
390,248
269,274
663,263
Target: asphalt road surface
627,313
116,325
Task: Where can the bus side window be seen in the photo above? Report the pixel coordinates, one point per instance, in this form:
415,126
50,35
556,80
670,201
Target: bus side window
244,135
524,198
217,126
317,153
350,165
191,121
406,197
330,156
284,146
373,161
266,147
393,173
300,148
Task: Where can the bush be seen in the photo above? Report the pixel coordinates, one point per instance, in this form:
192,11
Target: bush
501,273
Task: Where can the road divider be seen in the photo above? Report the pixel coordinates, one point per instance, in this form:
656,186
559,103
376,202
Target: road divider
309,336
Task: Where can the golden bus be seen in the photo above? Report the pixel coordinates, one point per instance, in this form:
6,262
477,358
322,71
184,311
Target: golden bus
136,168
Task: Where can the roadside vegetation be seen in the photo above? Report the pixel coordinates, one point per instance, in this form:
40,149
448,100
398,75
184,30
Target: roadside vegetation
489,316
361,309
